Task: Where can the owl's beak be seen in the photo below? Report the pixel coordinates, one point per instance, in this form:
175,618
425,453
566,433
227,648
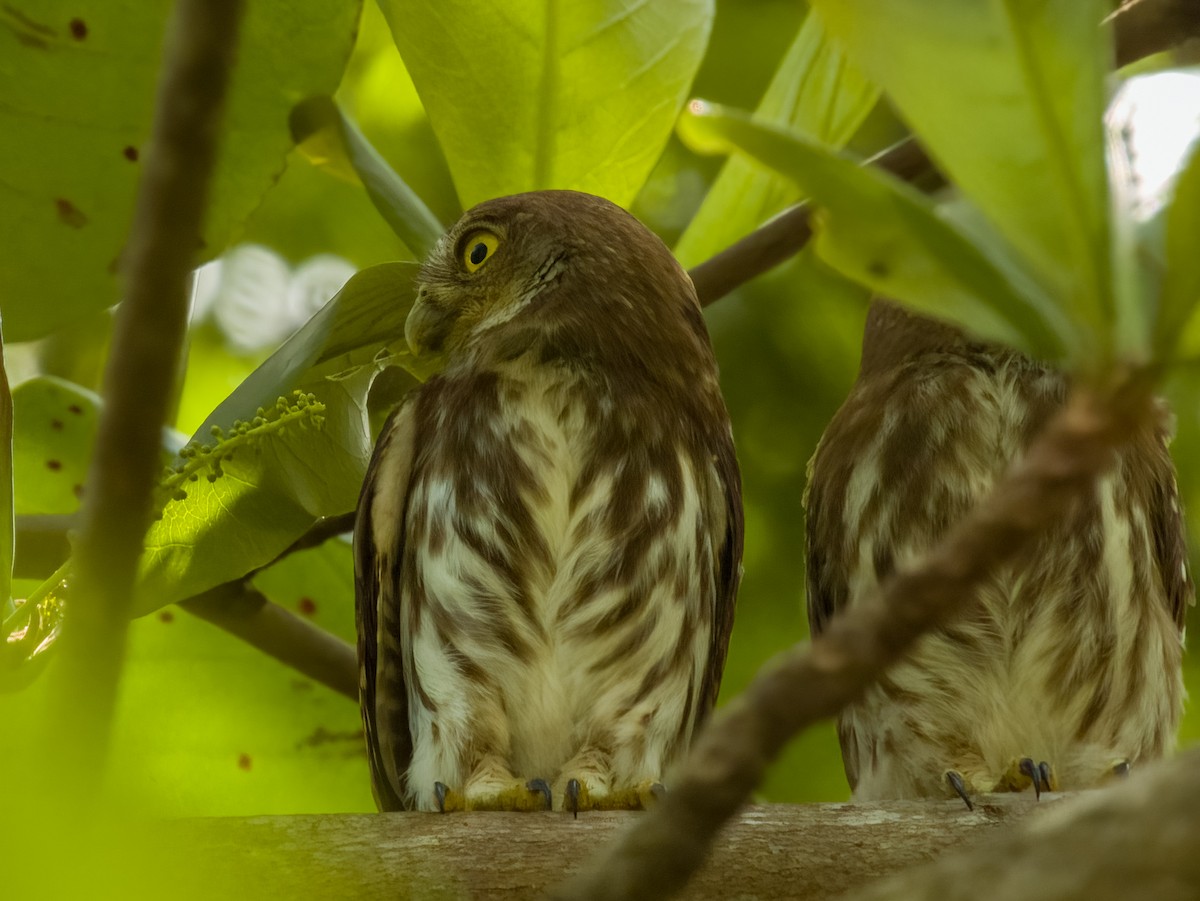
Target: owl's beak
427,325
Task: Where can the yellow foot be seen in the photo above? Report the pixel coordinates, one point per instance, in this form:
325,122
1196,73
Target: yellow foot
512,795
641,796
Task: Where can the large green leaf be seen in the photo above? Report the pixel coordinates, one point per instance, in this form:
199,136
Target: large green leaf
7,530
532,94
209,726
1180,291
1008,97
886,235
56,428
817,91
327,136
77,82
241,494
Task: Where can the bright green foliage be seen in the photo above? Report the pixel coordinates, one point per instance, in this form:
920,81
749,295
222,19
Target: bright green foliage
77,82
1009,98
532,94
817,91
54,444
208,723
325,131
887,235
7,536
1180,290
288,447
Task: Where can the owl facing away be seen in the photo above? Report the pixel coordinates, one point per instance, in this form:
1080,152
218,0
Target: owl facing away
548,540
1068,669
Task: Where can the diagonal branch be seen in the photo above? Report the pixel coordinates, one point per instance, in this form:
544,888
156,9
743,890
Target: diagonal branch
139,377
246,613
656,857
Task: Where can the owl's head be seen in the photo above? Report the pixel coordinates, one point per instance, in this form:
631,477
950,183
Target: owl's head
545,256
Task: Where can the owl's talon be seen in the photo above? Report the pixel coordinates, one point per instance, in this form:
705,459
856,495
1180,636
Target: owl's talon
1031,769
542,786
572,797
1121,768
439,792
1045,772
960,788
658,791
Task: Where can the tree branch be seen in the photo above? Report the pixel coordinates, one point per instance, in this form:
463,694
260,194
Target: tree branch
139,376
811,851
656,857
246,613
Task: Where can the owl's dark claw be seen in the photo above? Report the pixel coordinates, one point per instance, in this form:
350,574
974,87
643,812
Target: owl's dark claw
960,787
658,791
1044,772
439,792
572,800
541,785
1121,768
1031,769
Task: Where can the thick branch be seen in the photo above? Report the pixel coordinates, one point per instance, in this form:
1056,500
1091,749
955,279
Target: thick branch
812,682
248,614
811,851
140,373
1145,27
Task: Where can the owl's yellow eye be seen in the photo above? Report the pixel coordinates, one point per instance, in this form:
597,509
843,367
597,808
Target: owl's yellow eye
478,248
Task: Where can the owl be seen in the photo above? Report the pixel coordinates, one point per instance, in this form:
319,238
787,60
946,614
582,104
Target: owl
549,536
1067,670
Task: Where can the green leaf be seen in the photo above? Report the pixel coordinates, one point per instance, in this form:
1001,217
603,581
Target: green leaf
56,428
817,91
886,235
209,726
7,510
1008,97
300,454
532,94
77,83
1180,292
323,130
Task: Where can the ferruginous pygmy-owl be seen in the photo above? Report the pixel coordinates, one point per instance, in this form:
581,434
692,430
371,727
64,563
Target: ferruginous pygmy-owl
1068,670
549,537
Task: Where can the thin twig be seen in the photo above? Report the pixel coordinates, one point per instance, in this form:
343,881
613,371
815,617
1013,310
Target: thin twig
784,236
655,858
140,373
245,612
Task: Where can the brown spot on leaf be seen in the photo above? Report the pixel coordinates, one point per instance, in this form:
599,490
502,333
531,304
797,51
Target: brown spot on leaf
54,465
76,409
56,424
79,29
69,214
166,616
131,153
78,489
878,268
244,762
307,606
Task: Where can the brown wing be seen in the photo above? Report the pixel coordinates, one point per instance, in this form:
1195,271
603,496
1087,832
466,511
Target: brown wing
1169,534
728,570
378,556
